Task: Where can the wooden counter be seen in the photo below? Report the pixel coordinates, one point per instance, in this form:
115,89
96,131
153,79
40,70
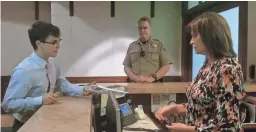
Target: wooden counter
70,114
167,87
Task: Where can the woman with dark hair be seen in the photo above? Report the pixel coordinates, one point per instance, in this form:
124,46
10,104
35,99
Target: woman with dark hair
216,93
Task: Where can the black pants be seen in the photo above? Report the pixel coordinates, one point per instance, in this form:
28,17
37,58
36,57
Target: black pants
16,125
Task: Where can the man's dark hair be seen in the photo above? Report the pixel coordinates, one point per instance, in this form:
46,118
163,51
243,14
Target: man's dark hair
40,31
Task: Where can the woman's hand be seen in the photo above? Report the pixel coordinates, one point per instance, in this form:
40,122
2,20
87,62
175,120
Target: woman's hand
180,127
164,112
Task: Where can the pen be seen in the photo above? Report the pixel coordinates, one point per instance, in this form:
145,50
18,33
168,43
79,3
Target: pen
94,82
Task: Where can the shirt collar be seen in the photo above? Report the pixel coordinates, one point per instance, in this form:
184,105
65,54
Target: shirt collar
38,59
146,42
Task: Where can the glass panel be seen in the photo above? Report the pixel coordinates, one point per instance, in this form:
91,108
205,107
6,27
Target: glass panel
198,61
232,17
192,4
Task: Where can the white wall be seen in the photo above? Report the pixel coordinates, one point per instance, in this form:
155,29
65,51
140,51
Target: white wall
16,19
251,35
94,44
111,36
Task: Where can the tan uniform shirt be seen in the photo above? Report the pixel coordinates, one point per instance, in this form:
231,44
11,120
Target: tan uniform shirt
155,57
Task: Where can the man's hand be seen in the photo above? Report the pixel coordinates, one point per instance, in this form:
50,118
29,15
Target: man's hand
85,93
149,79
93,90
140,79
50,98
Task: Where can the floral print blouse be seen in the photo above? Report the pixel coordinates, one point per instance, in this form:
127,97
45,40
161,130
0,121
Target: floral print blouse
214,97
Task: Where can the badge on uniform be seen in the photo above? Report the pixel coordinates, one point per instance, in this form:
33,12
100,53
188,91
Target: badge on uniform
154,45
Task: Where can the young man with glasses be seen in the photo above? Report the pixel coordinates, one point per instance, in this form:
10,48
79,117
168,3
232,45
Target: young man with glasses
37,81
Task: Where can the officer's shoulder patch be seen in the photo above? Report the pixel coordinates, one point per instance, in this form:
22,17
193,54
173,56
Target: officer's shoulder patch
135,42
156,40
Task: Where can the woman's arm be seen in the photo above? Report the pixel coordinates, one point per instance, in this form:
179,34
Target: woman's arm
228,93
181,109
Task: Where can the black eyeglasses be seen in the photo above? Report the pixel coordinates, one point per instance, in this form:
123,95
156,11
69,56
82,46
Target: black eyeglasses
53,43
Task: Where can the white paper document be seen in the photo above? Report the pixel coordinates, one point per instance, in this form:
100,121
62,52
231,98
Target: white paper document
112,89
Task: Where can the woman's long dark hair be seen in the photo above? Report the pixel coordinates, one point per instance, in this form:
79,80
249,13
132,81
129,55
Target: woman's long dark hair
215,34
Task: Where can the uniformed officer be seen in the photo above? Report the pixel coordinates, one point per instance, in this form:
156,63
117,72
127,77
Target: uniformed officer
147,59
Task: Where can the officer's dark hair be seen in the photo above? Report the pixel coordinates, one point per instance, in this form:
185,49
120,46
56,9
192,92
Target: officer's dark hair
145,18
40,31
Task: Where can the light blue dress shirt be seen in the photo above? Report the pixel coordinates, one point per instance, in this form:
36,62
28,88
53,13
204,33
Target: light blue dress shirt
29,83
